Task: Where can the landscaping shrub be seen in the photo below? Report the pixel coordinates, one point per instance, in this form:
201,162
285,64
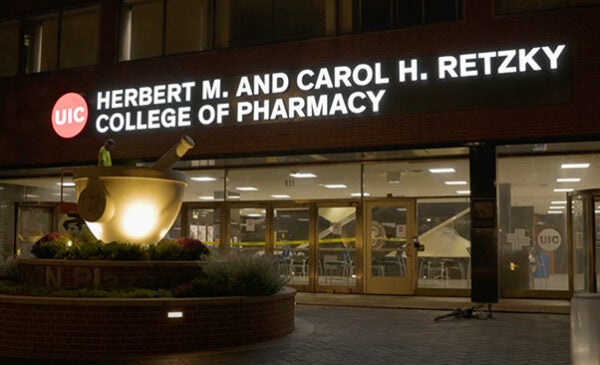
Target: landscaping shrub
236,275
60,246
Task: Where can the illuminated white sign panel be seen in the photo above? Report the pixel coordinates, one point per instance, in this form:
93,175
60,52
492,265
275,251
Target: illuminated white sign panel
504,78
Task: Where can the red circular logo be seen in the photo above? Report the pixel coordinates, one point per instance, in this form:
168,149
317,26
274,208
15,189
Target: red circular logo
69,115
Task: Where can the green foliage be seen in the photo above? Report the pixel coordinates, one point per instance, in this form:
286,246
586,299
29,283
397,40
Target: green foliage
12,288
236,275
124,251
166,250
59,246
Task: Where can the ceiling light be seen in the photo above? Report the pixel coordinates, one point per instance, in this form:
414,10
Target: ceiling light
206,197
442,170
464,192
303,175
246,188
555,207
66,184
254,215
203,178
335,186
280,196
357,195
575,166
555,212
558,202
455,182
568,179
563,190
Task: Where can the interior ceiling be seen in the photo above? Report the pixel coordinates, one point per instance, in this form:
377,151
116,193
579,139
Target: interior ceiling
532,179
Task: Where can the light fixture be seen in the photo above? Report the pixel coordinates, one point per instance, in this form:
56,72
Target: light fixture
555,207
206,197
558,202
575,166
303,175
175,314
358,195
555,212
442,170
568,179
455,182
280,196
66,184
563,190
246,188
203,178
463,192
254,215
335,186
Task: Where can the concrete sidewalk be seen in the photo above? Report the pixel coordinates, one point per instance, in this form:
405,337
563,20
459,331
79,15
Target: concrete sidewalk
384,334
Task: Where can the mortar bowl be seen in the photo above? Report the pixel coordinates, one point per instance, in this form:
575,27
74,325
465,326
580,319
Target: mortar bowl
129,204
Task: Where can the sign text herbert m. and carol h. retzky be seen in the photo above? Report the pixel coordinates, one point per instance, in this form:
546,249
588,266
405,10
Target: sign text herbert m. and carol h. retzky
508,77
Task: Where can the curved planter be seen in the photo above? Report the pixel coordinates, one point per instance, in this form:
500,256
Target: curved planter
79,328
106,273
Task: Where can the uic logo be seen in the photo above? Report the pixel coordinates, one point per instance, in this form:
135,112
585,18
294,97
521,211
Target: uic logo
69,115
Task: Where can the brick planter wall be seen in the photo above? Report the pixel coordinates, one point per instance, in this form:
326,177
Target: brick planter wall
42,327
106,273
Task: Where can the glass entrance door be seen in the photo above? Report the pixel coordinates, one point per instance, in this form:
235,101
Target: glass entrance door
584,225
390,254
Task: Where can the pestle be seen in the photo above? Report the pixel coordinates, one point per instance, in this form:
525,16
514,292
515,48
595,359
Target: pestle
170,158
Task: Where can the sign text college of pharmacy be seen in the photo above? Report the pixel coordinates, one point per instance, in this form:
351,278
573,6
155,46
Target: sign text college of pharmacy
509,77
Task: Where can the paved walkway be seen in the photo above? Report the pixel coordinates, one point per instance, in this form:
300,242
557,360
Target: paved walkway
368,335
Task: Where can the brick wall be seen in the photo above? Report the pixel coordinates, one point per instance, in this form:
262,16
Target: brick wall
106,273
102,328
26,101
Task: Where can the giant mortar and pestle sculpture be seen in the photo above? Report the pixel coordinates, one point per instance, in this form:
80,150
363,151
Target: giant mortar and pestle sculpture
132,204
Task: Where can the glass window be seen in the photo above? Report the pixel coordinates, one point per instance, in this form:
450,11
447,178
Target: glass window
141,29
417,178
9,44
247,230
389,14
444,227
264,21
188,26
204,225
205,185
532,202
41,42
292,243
284,183
337,246
297,19
79,37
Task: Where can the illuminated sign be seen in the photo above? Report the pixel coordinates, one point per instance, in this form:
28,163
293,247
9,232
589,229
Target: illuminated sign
470,80
69,115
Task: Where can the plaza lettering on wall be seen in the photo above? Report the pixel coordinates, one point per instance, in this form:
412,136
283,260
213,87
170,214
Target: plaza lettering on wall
508,77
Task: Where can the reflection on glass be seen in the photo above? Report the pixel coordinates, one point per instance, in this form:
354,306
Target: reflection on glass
292,244
445,231
580,234
247,230
204,225
337,246
388,241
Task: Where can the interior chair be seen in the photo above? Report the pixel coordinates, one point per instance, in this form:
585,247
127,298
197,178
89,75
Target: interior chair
332,263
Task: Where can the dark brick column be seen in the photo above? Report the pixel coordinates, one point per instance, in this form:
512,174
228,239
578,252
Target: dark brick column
484,238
